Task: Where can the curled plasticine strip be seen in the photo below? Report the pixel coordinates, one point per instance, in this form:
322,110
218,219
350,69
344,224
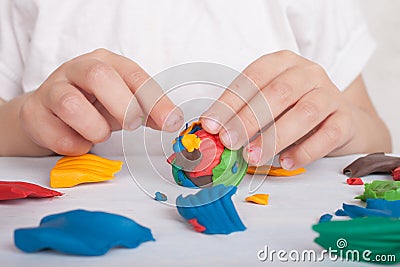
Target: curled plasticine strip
274,171
261,199
88,168
17,190
81,232
211,210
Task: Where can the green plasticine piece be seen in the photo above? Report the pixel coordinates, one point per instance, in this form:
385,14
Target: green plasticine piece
222,173
389,190
379,235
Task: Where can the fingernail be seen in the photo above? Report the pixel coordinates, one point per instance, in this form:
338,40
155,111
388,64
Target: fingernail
254,154
174,119
287,163
230,138
135,124
212,125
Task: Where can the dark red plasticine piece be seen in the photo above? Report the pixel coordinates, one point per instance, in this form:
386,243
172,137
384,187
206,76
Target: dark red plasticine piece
396,174
17,190
196,225
354,181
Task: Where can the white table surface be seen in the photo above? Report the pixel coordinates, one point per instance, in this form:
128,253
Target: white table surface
295,205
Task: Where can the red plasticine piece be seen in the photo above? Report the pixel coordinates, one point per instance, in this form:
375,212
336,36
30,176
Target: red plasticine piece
354,181
396,174
17,190
197,227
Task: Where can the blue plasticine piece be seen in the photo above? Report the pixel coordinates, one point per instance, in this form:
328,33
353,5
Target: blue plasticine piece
340,212
375,208
178,146
160,196
325,218
387,206
235,167
213,208
195,129
82,232
354,211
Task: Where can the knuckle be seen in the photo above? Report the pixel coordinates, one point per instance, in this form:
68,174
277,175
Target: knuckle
69,103
316,70
281,91
333,133
96,70
286,54
100,52
136,78
256,77
310,110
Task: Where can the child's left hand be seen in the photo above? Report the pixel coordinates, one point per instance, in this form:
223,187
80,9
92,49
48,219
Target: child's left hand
312,117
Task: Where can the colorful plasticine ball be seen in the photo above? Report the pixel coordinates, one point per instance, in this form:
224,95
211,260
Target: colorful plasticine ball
201,160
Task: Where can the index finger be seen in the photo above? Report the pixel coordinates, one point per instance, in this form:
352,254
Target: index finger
151,97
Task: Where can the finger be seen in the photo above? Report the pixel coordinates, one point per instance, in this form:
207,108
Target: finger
72,107
52,133
256,76
102,80
309,111
153,100
280,94
114,124
333,133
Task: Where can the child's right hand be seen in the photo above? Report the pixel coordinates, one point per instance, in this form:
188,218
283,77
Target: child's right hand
86,98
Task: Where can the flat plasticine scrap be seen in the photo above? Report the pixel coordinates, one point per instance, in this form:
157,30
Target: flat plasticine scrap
274,171
261,199
88,168
81,232
16,190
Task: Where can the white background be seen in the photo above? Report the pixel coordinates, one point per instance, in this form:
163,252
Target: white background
382,74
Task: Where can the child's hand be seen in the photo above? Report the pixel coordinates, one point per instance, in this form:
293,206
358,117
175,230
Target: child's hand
86,98
313,118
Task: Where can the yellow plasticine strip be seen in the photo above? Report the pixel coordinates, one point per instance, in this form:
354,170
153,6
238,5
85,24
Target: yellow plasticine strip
88,168
62,179
261,199
274,171
88,165
191,142
70,162
91,157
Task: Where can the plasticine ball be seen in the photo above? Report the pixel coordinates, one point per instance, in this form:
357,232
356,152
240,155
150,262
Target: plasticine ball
201,160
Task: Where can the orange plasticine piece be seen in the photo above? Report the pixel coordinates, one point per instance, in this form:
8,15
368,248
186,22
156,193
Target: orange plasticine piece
274,171
261,199
88,168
